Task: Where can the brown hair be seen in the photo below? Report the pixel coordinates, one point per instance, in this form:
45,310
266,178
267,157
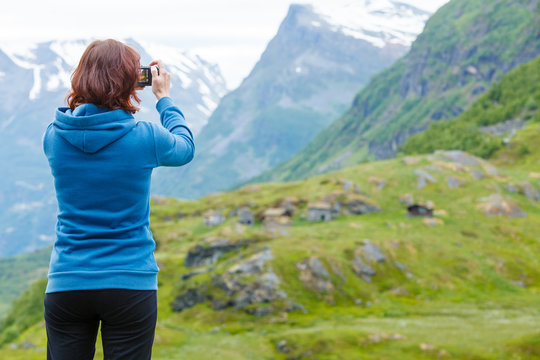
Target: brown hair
106,76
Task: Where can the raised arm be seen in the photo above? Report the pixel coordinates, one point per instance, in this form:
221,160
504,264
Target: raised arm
174,141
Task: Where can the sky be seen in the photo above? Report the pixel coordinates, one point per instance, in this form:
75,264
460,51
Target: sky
231,33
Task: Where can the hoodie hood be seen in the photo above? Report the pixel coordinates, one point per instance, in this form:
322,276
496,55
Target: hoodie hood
91,128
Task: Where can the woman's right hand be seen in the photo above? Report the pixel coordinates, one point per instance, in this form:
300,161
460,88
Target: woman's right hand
161,83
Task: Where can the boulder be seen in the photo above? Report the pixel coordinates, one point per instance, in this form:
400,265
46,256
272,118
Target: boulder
496,205
529,191
241,290
253,264
313,274
524,188
188,299
359,205
454,182
468,161
406,199
423,178
372,252
207,255
364,256
379,184
362,269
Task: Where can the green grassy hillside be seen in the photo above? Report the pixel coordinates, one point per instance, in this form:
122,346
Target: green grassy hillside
465,47
461,285
17,273
516,97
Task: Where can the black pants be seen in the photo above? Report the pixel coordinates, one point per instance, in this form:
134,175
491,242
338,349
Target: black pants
128,322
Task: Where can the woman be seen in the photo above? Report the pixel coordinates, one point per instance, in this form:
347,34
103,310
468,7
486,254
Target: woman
102,267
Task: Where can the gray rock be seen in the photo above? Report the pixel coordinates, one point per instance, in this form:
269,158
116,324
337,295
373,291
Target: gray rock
400,266
453,182
512,188
529,191
496,205
316,266
314,275
357,206
260,310
372,252
347,184
282,346
458,156
295,306
362,269
192,274
206,255
254,264
188,299
477,174
507,128
423,178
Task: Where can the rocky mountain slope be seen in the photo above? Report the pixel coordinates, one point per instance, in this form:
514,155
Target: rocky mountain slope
465,47
306,77
33,82
492,121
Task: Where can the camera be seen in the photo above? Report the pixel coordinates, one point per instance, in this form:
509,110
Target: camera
145,76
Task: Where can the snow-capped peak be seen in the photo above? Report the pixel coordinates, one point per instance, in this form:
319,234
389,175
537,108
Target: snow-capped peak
380,22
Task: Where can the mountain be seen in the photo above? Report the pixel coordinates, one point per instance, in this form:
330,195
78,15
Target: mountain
305,78
34,81
464,48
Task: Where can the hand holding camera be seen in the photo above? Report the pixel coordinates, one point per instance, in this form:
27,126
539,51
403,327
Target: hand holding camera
156,76
161,80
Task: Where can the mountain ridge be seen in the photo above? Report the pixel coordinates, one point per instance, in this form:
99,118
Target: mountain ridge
443,72
304,79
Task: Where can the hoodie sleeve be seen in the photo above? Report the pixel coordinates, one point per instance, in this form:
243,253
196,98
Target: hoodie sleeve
174,141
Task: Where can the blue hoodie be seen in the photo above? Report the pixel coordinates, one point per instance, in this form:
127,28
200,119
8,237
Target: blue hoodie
101,161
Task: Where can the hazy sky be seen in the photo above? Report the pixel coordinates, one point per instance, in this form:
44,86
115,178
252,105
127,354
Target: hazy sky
232,33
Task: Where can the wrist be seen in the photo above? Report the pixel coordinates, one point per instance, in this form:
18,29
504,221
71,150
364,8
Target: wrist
161,95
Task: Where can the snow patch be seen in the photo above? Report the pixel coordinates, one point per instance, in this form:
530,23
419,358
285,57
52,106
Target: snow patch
19,50
69,50
210,104
36,88
316,23
61,79
204,110
9,230
2,74
203,88
298,69
379,22
185,80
